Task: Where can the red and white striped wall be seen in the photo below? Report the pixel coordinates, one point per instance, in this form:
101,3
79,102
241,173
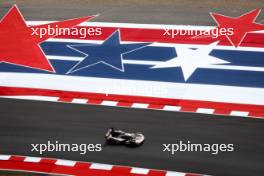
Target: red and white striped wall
77,168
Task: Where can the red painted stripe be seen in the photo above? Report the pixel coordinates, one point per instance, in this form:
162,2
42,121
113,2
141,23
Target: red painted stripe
17,158
65,99
82,165
124,104
96,98
156,173
48,161
156,35
222,111
121,170
95,101
256,114
25,166
67,170
156,106
191,174
188,109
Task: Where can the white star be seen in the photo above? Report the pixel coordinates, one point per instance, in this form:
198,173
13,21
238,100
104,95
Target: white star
189,60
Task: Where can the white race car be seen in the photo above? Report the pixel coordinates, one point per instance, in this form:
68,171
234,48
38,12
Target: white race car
120,137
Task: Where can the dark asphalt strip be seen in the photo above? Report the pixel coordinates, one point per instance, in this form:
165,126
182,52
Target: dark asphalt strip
24,122
188,12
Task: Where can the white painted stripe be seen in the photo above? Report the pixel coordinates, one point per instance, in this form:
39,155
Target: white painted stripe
171,108
170,173
65,162
239,113
136,170
234,67
32,159
137,62
205,110
5,157
101,166
203,92
65,58
109,103
78,100
41,98
130,25
142,62
140,105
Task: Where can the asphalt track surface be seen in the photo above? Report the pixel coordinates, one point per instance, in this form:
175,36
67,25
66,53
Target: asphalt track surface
188,12
24,122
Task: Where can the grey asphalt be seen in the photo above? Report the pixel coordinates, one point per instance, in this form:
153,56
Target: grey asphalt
189,12
25,122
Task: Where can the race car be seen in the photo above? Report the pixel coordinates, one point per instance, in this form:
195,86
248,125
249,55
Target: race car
120,137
